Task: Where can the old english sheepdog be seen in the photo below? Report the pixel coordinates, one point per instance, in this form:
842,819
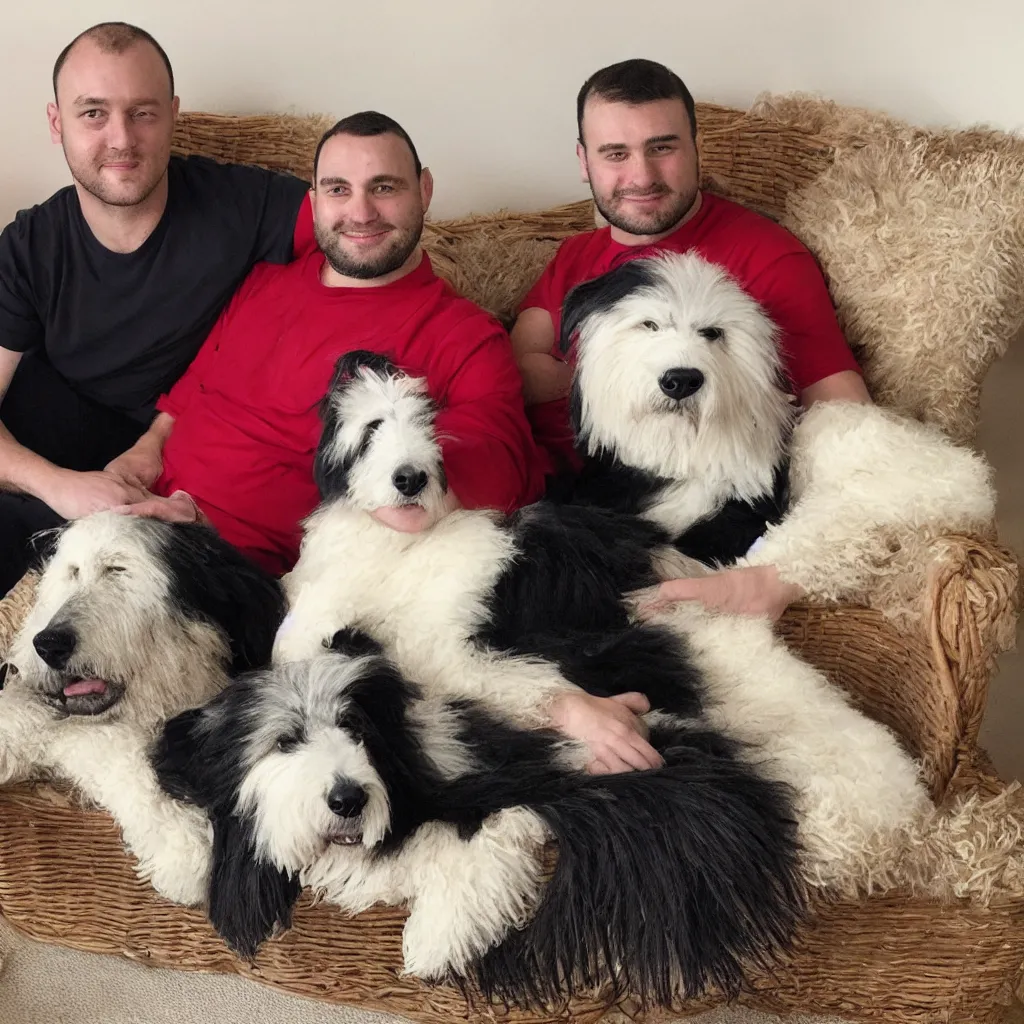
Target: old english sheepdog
339,773
678,403
682,416
134,621
512,612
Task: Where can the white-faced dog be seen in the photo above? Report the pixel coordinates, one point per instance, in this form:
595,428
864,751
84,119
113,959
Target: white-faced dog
134,620
681,416
512,612
678,403
338,773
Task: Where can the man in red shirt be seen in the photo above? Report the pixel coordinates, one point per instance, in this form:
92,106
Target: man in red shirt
235,437
637,150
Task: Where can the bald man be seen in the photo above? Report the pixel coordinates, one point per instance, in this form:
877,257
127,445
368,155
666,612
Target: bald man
109,288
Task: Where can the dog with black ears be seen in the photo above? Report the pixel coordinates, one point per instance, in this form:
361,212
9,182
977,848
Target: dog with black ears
515,611
339,773
134,621
678,404
682,416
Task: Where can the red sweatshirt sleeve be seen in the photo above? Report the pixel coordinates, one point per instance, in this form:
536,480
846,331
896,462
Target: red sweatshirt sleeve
793,293
489,454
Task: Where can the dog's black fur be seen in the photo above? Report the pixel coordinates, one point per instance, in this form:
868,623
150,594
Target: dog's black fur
668,881
212,581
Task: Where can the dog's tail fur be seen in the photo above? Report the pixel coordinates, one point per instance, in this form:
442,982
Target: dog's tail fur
668,882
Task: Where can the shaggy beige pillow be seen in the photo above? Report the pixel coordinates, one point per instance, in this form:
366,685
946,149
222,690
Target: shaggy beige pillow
921,237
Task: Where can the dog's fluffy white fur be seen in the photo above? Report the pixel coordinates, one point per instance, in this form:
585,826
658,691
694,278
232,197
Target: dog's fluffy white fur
426,596
678,373
110,622
871,492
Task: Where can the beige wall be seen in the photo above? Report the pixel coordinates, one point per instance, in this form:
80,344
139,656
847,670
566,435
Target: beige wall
487,89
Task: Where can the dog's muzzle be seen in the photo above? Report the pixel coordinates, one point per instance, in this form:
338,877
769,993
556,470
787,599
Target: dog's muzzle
346,801
680,382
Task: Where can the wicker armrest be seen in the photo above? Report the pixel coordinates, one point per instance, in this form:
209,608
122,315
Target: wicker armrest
929,683
973,601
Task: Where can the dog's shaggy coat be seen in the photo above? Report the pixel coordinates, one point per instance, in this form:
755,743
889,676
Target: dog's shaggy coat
514,612
134,621
844,502
338,772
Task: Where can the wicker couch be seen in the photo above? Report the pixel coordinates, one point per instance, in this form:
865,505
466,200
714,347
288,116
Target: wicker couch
921,236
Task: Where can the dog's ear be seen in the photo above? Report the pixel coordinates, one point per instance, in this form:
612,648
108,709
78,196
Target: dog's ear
176,759
43,545
212,581
249,898
329,471
600,294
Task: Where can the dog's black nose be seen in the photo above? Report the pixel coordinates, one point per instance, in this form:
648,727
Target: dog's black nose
55,645
409,480
681,382
346,799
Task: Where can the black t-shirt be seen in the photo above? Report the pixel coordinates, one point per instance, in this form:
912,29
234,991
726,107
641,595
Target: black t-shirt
121,328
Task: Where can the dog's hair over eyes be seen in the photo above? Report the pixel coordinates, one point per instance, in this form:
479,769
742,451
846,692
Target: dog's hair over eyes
679,403
377,424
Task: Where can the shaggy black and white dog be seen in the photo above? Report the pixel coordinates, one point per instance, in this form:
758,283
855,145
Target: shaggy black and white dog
513,612
338,772
134,620
678,403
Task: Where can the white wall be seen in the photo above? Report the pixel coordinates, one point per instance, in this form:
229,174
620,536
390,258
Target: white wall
487,89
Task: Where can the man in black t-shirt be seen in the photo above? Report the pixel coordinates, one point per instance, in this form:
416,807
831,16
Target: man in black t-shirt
109,288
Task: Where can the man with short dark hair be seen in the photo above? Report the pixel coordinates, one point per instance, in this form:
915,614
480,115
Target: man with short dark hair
637,150
108,289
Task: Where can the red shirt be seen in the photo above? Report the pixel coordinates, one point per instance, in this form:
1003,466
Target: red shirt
246,411
765,259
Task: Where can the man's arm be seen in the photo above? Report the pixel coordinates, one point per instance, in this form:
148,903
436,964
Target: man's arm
845,386
20,469
545,377
489,453
143,462
70,494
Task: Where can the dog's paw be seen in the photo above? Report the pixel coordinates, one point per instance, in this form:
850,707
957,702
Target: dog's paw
425,951
179,868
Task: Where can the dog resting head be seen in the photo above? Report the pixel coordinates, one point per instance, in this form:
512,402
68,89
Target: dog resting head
137,619
378,449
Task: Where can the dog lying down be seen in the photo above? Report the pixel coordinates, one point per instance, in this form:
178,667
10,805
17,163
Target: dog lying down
508,611
134,620
339,773
682,417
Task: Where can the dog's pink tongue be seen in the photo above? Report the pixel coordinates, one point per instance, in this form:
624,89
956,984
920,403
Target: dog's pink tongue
84,686
406,519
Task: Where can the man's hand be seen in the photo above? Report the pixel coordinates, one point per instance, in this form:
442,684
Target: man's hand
178,508
748,590
610,727
139,466
75,495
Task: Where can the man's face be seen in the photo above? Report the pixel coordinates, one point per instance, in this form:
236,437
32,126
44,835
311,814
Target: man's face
641,163
114,116
368,204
